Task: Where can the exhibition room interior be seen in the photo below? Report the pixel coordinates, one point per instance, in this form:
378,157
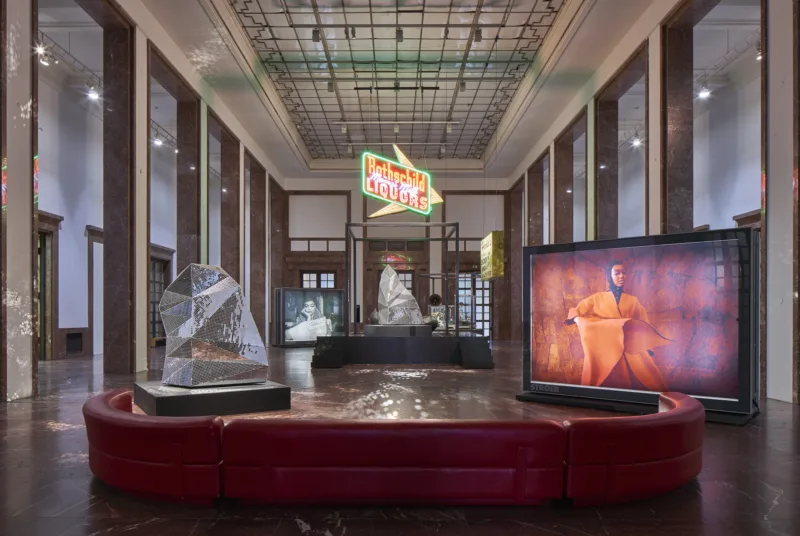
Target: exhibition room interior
328,267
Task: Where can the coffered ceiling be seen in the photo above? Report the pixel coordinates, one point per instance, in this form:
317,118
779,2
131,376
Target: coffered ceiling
434,76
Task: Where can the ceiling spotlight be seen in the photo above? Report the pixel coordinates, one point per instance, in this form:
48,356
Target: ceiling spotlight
442,150
349,149
397,129
176,151
346,33
449,128
44,60
353,32
603,166
396,86
40,49
315,35
330,86
398,35
92,94
224,190
462,86
704,93
192,168
344,129
157,142
636,142
569,190
478,35
759,55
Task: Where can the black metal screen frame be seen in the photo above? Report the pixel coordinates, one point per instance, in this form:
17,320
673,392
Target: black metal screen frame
449,232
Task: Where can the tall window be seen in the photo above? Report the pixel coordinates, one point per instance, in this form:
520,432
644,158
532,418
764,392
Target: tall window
481,292
157,271
319,279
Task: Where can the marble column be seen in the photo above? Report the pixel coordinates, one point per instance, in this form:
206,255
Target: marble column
536,203
19,232
188,198
229,205
607,168
678,172
563,180
118,202
258,245
278,236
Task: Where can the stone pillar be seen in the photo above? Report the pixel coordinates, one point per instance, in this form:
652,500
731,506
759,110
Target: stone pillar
536,203
229,205
562,171
678,172
19,232
188,198
119,300
607,169
258,245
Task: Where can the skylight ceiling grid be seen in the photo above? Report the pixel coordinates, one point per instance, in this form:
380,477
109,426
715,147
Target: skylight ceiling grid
433,76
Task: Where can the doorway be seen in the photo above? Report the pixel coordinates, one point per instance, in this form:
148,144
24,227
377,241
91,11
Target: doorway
45,295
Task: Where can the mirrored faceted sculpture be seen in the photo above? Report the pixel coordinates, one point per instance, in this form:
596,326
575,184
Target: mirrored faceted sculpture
212,338
396,304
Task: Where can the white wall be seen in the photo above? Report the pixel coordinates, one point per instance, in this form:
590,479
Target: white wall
71,185
97,297
631,184
727,152
317,216
476,215
163,194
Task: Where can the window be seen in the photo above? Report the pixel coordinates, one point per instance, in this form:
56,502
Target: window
319,279
481,291
407,279
157,270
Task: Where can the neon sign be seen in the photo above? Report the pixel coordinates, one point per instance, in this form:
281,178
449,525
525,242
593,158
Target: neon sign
393,182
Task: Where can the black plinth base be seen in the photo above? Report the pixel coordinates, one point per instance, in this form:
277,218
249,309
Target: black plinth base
626,407
155,398
398,330
469,352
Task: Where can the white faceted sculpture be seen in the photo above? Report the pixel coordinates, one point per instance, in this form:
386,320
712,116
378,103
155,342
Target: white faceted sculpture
396,304
212,338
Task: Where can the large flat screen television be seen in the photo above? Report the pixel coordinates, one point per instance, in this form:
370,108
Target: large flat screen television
303,314
615,322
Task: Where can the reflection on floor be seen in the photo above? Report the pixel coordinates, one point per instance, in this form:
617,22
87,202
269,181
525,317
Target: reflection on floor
749,484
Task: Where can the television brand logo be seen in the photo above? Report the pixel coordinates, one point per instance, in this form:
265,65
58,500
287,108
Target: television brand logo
393,182
543,388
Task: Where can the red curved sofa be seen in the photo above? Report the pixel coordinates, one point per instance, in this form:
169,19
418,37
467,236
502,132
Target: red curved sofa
465,462
176,458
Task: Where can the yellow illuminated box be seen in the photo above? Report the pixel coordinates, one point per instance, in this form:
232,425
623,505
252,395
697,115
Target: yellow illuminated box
492,256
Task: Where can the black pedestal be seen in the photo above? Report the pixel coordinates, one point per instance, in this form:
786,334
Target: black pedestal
155,398
398,330
468,351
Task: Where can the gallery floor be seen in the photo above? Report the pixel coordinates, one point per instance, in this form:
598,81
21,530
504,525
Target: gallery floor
750,483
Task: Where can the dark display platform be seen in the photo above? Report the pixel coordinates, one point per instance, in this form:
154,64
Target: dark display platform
399,330
471,352
155,398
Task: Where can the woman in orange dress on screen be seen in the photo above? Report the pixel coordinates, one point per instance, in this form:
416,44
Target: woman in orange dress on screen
617,338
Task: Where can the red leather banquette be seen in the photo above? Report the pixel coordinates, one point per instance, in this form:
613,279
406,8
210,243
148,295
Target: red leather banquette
618,459
423,462
170,457
592,460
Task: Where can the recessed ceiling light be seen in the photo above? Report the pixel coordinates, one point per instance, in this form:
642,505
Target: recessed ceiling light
636,142
398,35
478,35
704,93
315,35
157,142
176,151
224,190
192,168
397,129
93,94
603,166
569,190
40,49
344,129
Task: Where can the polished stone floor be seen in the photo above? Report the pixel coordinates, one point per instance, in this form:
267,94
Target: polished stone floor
750,483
